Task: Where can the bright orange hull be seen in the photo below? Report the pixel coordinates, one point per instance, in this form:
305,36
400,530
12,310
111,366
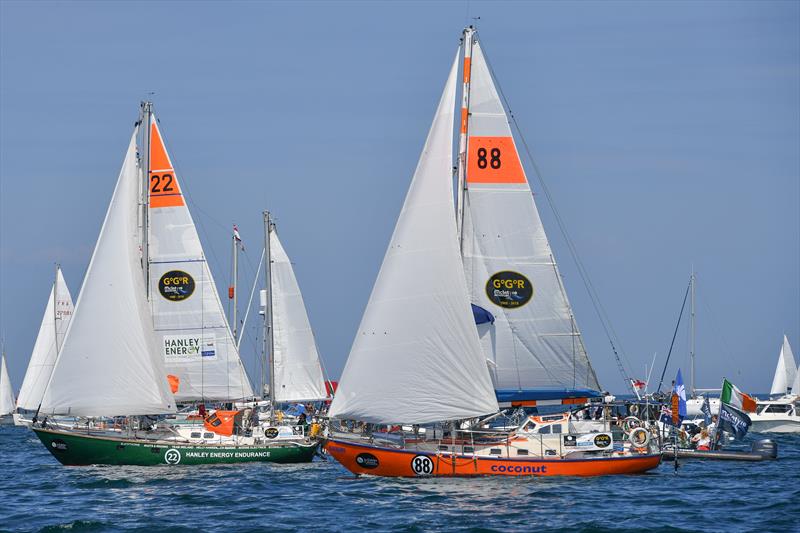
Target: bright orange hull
376,461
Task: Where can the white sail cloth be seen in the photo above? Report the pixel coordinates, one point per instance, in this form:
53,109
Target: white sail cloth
298,372
109,364
57,315
785,371
534,342
796,382
416,357
196,343
6,391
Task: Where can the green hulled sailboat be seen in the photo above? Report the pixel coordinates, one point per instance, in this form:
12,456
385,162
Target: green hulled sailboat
148,332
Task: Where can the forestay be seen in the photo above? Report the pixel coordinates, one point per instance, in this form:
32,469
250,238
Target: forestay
195,341
6,390
416,358
534,343
298,372
109,364
55,321
785,371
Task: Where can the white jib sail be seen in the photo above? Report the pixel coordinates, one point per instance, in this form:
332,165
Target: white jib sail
298,372
416,357
54,325
109,364
6,391
785,371
796,383
534,342
196,343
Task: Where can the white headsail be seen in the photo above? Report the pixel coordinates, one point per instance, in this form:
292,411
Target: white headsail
57,315
796,383
416,357
534,342
298,372
6,390
196,343
109,363
785,371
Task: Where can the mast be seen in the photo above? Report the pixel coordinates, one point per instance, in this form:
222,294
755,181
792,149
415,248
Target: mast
462,138
147,113
692,332
269,344
235,291
55,308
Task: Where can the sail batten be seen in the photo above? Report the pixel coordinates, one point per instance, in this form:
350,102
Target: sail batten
416,357
534,343
55,322
108,364
195,340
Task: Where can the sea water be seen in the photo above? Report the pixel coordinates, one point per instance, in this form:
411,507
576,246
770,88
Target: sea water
38,494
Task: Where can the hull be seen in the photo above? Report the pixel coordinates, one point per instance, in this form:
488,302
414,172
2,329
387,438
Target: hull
6,420
369,459
74,449
786,425
719,455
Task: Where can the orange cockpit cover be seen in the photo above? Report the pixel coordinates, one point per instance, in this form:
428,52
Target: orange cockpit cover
221,422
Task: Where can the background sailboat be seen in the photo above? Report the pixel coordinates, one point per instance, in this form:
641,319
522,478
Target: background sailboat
56,319
785,372
6,393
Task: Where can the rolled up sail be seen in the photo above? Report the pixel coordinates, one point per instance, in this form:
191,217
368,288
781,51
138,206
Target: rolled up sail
416,357
534,343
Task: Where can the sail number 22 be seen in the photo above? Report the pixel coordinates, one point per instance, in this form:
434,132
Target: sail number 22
161,183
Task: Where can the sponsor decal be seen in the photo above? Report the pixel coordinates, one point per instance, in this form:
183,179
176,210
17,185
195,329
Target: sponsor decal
570,440
509,289
176,285
602,440
58,445
172,456
271,433
178,348
367,460
422,465
519,469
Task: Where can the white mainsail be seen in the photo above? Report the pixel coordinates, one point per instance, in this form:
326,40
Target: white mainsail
109,364
796,383
197,346
785,371
416,357
298,371
6,391
57,315
534,342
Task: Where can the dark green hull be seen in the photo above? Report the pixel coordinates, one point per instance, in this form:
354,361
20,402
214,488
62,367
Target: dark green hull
75,449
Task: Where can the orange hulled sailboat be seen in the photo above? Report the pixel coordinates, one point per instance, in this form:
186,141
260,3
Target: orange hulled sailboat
469,315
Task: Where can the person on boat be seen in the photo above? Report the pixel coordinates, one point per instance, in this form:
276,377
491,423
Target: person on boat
702,441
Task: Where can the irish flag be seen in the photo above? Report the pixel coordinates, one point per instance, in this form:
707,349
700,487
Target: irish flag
733,396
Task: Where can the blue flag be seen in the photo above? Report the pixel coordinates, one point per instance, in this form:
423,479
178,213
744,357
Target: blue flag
733,421
676,411
706,410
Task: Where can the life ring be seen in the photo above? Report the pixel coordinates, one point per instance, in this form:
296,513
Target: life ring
639,438
629,424
634,410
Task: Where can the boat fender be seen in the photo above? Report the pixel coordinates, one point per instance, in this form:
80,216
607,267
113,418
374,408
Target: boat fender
639,438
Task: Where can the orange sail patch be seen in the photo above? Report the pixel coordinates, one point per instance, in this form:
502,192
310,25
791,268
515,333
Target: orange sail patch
493,160
164,188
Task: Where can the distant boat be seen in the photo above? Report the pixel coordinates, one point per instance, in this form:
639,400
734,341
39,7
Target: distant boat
57,315
7,404
148,331
781,414
469,312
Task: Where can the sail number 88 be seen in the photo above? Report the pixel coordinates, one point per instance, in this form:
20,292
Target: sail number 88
493,161
422,465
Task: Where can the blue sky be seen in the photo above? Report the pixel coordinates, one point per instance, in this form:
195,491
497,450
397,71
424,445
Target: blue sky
669,134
